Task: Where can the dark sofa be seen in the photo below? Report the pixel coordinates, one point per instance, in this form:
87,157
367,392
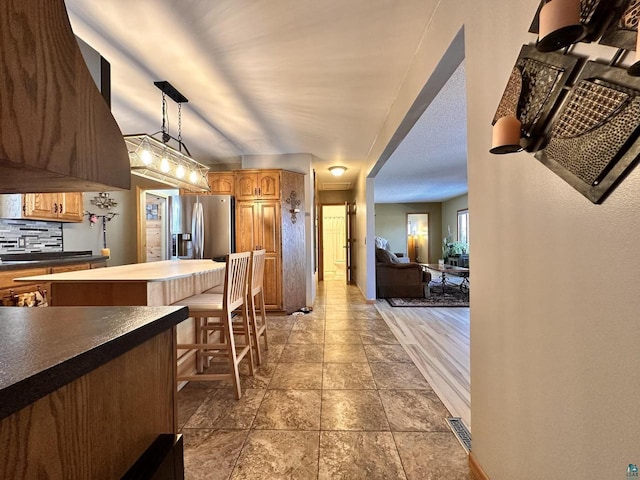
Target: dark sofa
394,279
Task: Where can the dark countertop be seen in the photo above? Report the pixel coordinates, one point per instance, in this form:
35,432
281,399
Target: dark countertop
42,349
18,261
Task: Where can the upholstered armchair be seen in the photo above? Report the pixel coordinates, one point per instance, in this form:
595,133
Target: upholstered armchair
394,279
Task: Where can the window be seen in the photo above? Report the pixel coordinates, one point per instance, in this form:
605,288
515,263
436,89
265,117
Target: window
463,226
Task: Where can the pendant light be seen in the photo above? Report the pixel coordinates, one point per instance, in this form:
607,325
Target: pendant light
155,159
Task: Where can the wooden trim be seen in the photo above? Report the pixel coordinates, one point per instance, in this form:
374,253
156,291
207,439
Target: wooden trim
476,470
140,228
320,246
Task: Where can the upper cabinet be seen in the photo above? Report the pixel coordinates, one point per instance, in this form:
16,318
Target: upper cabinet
57,132
57,207
222,183
257,184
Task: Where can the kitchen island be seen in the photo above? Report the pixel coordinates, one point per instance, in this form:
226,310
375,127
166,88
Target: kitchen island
153,284
84,391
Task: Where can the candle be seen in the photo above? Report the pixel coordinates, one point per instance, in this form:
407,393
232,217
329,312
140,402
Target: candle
559,24
506,135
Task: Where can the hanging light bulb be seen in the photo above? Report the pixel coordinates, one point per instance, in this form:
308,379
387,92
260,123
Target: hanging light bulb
180,171
164,165
146,157
193,176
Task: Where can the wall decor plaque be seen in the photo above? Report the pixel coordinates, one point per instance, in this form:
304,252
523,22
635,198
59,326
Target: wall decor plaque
533,90
594,140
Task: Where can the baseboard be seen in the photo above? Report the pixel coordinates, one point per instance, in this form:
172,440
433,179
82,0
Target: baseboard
476,470
371,301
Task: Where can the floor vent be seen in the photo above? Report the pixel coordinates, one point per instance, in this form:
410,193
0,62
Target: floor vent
461,432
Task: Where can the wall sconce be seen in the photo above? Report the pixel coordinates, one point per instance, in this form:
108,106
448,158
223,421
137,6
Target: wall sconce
506,135
634,70
157,160
559,25
337,170
294,202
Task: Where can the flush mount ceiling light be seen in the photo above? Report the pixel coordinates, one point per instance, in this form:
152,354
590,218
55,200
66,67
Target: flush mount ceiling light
155,159
337,170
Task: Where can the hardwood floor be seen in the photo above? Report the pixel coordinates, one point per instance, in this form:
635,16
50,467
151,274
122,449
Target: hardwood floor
437,340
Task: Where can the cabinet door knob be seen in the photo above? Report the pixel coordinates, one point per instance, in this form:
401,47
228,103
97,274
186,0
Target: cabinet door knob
55,208
61,208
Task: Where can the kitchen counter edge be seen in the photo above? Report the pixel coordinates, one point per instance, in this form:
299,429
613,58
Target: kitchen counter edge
52,262
106,340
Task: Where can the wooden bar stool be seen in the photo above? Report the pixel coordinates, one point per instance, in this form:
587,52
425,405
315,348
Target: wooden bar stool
256,289
206,307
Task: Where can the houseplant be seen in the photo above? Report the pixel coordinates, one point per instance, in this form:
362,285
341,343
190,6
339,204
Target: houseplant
451,248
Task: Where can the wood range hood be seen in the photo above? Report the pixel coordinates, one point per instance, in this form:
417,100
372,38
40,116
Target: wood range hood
57,133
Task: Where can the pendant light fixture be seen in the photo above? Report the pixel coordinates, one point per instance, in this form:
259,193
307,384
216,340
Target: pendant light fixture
155,159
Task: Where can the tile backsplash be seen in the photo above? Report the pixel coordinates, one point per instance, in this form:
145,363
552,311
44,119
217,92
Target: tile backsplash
30,236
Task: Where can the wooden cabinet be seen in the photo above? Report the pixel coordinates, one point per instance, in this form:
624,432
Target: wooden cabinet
70,268
8,286
96,405
71,206
258,227
267,223
222,183
257,184
60,207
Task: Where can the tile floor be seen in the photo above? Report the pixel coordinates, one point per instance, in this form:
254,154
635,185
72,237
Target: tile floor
336,398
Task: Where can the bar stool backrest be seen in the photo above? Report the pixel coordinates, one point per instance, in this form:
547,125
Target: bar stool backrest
236,278
257,270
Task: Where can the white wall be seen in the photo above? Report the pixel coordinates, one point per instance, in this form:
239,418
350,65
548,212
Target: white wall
553,337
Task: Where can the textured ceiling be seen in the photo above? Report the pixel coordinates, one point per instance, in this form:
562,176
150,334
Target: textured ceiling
261,76
430,164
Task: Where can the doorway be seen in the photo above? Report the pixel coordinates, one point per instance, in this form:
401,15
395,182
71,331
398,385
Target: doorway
418,237
334,237
153,224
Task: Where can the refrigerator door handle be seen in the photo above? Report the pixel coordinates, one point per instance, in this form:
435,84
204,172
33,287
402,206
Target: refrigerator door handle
197,229
194,230
201,233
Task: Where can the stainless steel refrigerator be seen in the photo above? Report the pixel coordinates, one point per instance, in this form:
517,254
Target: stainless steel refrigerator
201,226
